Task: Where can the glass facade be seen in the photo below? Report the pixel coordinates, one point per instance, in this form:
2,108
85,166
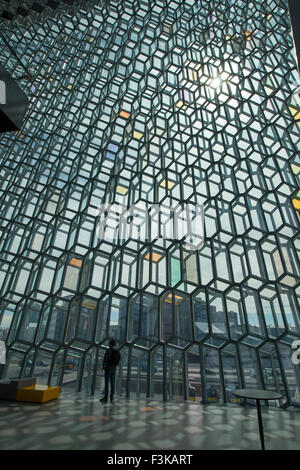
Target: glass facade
156,102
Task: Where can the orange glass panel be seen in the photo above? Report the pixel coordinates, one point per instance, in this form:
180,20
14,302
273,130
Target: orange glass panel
156,257
76,262
89,304
124,114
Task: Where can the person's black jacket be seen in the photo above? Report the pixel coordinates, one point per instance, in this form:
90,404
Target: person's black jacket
111,358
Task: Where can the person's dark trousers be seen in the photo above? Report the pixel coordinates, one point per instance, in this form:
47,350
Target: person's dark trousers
110,377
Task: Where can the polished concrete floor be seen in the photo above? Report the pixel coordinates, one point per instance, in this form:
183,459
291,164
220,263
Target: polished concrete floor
77,421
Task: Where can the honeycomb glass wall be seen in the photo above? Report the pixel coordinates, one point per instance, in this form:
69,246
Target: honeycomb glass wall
167,103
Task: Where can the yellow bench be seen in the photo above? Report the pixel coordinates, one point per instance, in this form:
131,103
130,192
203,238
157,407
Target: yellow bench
38,393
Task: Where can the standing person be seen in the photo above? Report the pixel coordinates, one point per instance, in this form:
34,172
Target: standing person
111,360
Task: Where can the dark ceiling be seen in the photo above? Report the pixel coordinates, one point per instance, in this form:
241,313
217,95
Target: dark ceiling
11,10
294,7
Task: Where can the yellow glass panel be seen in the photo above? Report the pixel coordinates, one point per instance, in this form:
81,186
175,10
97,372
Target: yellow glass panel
92,39
137,135
168,183
296,203
180,104
293,111
295,169
69,87
122,190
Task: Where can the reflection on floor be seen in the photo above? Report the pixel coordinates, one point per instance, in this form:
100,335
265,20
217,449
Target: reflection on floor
78,421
